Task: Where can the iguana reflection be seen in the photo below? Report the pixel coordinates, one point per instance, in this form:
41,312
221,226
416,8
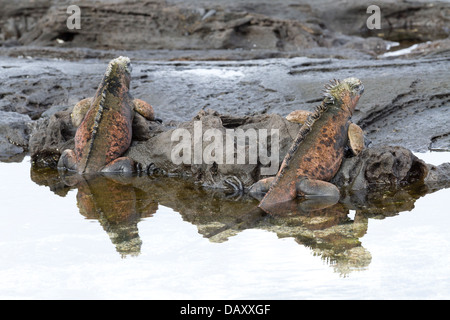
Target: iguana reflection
112,200
119,204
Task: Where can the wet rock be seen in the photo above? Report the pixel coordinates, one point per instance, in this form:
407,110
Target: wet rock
438,176
428,49
14,134
408,113
288,26
216,170
131,23
400,20
382,165
50,137
175,151
54,133
34,86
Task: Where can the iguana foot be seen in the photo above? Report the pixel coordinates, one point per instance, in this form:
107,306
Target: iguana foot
79,111
144,109
120,165
260,188
355,139
68,161
306,188
310,188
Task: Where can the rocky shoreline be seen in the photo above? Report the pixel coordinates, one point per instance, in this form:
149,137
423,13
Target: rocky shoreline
153,145
280,25
251,63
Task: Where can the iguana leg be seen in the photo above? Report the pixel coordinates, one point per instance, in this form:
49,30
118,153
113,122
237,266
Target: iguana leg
298,116
355,138
79,111
68,161
144,109
120,165
306,188
310,188
260,187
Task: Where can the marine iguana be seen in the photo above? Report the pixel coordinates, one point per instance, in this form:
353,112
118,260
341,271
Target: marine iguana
105,124
356,139
317,152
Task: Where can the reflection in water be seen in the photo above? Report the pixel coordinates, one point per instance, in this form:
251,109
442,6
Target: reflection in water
119,203
113,201
118,207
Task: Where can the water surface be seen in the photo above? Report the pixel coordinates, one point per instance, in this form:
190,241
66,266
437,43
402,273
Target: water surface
159,238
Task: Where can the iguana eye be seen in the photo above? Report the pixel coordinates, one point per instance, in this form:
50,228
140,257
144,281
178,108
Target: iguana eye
358,88
129,67
361,89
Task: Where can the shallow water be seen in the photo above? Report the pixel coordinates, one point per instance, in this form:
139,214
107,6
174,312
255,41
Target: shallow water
159,238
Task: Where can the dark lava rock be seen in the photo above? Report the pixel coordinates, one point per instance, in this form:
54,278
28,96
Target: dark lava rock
252,61
280,26
382,165
412,110
417,20
438,177
128,25
50,137
54,133
155,154
14,134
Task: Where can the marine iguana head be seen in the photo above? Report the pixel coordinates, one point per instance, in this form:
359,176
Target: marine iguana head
344,93
118,72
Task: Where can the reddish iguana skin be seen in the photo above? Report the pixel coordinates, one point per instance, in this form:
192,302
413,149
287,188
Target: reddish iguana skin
105,131
318,150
